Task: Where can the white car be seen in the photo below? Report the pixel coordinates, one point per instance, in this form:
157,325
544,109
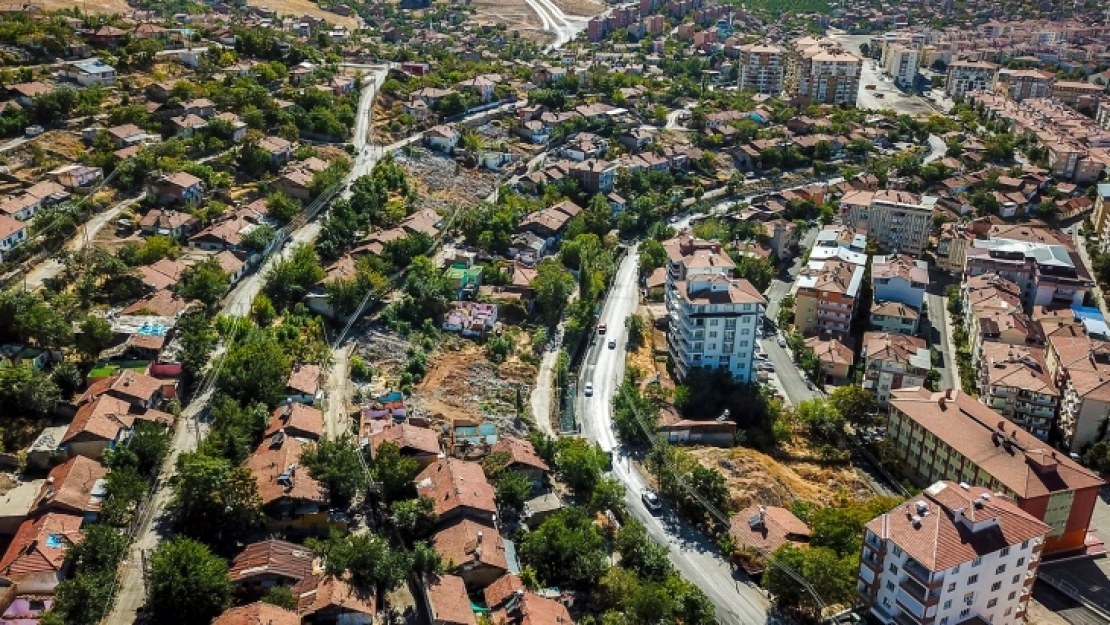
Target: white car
589,389
651,500
782,342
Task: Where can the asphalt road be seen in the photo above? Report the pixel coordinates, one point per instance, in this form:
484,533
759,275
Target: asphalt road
737,600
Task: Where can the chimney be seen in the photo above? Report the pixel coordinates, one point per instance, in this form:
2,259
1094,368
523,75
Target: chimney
479,538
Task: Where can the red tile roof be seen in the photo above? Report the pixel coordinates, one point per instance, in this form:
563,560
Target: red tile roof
297,420
102,418
40,544
320,593
70,486
271,460
520,452
467,542
775,527
452,483
272,558
449,601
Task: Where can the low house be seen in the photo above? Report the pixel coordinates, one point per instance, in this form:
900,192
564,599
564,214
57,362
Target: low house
471,318
99,424
521,457
168,222
894,317
293,501
140,391
35,562
77,176
25,93
763,529
128,135
680,431
304,384
421,444
447,601
89,72
33,199
296,183
188,125
236,126
259,613
835,357
224,235
549,223
527,608
178,187
280,150
269,563
465,279
297,420
75,487
443,138
12,232
232,265
459,489
328,599
473,551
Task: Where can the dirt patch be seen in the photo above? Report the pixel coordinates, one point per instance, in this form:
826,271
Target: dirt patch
442,184
754,477
305,7
461,383
516,15
580,8
93,6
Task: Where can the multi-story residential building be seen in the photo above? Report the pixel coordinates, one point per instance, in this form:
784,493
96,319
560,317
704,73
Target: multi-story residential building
967,76
1020,84
1077,93
714,317
1080,365
893,361
825,296
1101,215
956,554
894,317
997,320
900,63
1046,273
1102,114
1014,381
899,278
952,244
898,220
949,435
762,68
823,72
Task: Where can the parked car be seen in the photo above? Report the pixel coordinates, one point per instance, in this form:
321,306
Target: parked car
612,343
651,500
782,342
589,389
34,131
601,328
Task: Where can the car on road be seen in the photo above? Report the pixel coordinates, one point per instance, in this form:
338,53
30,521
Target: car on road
782,342
762,355
651,500
612,343
589,389
601,328
33,131
767,366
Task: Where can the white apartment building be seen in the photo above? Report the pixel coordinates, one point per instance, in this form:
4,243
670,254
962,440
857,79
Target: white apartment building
900,62
824,72
714,317
899,278
956,553
762,68
967,76
898,220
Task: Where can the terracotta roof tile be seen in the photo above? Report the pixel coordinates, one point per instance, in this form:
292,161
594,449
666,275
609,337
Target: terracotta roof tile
272,558
466,542
449,601
520,452
40,544
271,460
452,483
70,486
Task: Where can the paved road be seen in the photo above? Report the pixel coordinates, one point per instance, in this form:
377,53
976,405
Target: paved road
555,21
50,268
738,602
937,149
940,336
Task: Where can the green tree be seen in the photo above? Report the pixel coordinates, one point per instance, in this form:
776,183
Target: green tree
394,470
822,418
188,584
566,550
335,462
214,501
290,279
206,282
580,464
281,596
553,285
95,336
368,558
282,208
513,489
27,391
256,369
857,405
641,554
652,256
415,518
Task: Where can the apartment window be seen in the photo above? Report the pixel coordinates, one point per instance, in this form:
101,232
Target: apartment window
893,570
1000,570
712,346
897,551
952,587
996,586
971,580
1021,561
944,621
743,343
1005,551
992,603
976,562
1025,544
956,569
948,604
1016,579
712,335
969,598
745,331
713,322
1011,596
890,586
964,612
1007,612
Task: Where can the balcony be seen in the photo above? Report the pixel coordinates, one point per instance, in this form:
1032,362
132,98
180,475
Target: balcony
916,569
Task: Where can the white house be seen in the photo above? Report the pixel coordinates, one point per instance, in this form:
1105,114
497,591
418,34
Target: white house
89,72
443,138
11,233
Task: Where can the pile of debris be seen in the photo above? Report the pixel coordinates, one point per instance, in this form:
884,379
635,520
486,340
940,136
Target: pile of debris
442,182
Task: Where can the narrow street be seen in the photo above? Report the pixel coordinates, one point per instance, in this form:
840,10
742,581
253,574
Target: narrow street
737,600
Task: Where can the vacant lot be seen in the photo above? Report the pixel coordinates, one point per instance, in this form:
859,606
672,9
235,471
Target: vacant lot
87,6
305,7
516,15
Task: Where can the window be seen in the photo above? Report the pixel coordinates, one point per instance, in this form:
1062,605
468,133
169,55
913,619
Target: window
971,580
893,570
890,586
1021,562
976,562
956,569
1016,579
713,322
952,587
944,621
1011,596
743,343
948,604
1000,570
712,347
745,330
1007,612
969,598
1025,544
992,603
964,612
995,586
1005,552
897,551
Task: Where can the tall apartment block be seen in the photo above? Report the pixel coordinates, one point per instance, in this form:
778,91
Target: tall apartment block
957,554
762,68
967,76
900,221
714,317
822,71
900,62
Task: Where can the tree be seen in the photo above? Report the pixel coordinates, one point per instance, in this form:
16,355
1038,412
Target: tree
256,369
513,489
635,325
100,549
206,282
145,449
822,418
932,380
281,596
335,462
415,519
282,208
368,558
95,336
566,550
214,501
857,405
27,391
290,279
1097,457
553,285
641,554
188,583
652,256
394,470
580,464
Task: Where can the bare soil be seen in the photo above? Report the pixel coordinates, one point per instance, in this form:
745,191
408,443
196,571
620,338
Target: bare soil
87,6
516,15
441,184
305,7
580,8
